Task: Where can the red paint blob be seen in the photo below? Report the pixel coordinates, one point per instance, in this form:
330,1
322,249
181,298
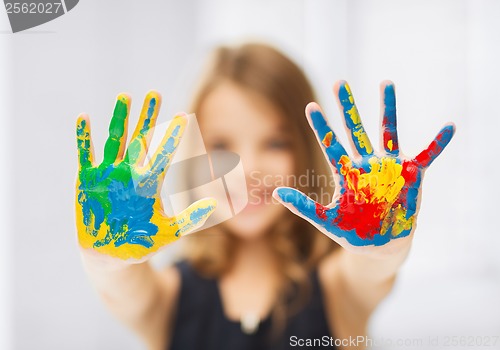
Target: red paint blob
425,157
364,218
321,211
409,171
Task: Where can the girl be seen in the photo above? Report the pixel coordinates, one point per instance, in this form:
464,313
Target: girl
267,278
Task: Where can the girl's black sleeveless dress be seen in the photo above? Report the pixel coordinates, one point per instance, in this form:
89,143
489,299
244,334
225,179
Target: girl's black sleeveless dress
200,323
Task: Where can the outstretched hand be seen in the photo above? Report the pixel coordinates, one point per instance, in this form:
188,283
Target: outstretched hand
377,194
118,207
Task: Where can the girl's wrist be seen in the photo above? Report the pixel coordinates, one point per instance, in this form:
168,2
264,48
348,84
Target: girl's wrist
94,260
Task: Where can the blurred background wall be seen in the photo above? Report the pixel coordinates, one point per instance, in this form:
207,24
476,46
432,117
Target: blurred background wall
442,55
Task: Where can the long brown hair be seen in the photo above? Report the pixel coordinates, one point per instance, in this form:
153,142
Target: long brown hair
261,69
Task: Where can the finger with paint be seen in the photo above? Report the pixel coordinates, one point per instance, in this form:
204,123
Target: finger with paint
388,128
118,207
352,120
377,194
141,138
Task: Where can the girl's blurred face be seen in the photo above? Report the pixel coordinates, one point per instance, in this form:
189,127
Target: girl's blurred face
245,123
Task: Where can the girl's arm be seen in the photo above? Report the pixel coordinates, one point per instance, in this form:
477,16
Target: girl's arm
374,209
121,222
353,286
137,294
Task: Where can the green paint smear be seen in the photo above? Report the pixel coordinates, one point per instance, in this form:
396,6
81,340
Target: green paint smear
116,131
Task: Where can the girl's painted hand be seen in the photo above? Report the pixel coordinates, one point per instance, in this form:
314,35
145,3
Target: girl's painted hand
377,193
118,207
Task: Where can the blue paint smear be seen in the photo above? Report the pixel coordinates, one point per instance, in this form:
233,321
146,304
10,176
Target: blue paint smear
194,218
447,135
199,214
81,127
129,220
147,122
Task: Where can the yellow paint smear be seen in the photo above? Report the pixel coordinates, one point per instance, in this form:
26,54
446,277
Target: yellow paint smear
389,145
327,140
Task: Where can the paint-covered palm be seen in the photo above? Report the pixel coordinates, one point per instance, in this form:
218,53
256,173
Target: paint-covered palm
377,195
118,207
